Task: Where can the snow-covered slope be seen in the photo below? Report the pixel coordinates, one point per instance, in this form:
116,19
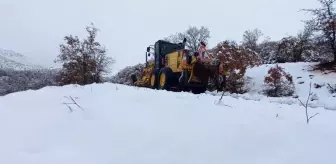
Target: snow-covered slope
126,125
302,76
13,60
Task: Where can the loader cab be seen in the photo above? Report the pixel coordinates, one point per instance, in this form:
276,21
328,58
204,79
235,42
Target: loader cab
162,48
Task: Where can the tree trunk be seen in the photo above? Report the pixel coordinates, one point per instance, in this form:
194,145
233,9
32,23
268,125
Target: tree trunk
85,70
333,48
334,52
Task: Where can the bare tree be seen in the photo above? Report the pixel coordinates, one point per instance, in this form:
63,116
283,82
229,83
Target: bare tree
306,105
83,61
193,35
174,38
323,21
250,39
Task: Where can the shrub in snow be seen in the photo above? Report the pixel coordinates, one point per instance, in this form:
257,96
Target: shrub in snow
236,61
297,48
286,50
236,83
124,76
278,83
332,88
316,86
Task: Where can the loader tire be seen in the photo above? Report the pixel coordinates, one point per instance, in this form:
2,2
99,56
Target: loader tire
154,79
165,78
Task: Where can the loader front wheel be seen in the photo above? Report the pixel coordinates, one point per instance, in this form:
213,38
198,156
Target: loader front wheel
162,79
152,80
165,78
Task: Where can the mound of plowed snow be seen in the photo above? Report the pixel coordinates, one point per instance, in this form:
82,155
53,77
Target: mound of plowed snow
126,125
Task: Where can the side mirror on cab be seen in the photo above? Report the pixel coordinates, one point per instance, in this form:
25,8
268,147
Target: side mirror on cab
148,49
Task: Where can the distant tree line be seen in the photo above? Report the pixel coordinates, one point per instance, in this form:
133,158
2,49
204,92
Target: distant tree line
21,80
316,42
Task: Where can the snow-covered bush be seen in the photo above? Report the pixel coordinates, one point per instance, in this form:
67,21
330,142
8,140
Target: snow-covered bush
236,59
268,50
297,49
286,50
124,76
278,83
302,47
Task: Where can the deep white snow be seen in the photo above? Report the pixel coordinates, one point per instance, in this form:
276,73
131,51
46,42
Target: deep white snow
127,125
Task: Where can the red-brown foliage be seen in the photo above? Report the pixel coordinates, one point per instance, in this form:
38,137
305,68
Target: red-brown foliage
236,59
278,82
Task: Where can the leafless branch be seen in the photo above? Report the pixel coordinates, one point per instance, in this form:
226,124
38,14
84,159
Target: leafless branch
329,85
73,102
220,100
221,96
306,105
313,115
71,110
302,103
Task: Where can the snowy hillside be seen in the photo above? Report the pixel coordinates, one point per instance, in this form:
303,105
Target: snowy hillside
12,60
126,125
302,76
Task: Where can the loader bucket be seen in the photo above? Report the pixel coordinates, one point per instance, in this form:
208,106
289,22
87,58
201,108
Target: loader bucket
201,73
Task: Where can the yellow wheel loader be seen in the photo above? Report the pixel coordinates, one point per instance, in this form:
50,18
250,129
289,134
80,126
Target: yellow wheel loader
176,68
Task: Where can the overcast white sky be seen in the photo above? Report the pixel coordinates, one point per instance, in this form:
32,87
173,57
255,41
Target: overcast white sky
35,28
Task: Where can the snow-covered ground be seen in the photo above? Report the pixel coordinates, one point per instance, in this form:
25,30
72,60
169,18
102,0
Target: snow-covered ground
302,76
126,125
